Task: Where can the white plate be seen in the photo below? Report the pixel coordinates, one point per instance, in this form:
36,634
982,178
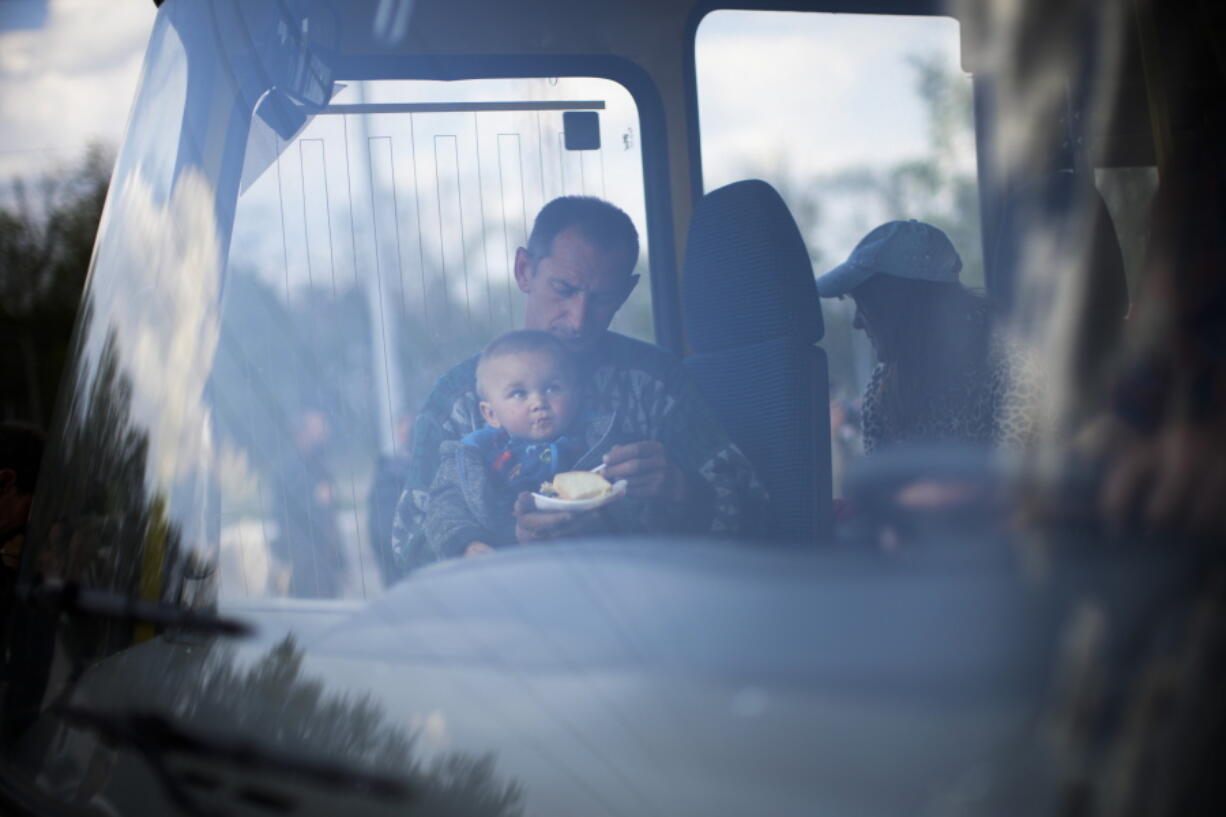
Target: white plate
552,503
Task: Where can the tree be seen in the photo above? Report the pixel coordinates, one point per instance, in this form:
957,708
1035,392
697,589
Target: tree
47,231
285,711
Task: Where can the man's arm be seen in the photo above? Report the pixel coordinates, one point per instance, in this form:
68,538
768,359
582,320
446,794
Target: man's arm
722,489
697,480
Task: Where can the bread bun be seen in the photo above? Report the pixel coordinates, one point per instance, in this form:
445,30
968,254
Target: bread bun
574,485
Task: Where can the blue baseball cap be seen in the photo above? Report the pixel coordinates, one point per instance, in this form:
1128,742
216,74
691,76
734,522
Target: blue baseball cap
904,249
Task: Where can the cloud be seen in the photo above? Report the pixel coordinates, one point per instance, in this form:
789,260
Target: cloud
69,82
167,324
829,90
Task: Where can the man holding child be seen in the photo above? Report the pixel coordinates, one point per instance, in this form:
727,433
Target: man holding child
631,406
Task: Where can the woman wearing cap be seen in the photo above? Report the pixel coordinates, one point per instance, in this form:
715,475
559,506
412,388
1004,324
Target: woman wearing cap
942,373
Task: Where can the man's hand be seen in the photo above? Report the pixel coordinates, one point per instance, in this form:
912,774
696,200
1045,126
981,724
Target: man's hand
647,471
532,525
477,549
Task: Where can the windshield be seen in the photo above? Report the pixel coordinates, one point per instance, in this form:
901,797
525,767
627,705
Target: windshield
502,409
309,285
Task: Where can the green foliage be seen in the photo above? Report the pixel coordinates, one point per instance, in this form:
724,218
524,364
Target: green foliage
47,232
276,703
47,236
948,103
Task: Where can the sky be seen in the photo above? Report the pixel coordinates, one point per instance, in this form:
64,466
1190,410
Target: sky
68,75
836,89
69,70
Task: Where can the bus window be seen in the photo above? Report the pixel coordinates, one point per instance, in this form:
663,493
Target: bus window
856,120
372,250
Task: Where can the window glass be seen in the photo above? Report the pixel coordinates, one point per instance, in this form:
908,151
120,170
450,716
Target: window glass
372,250
856,120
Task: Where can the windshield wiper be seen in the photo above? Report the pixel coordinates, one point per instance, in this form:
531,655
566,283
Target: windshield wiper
156,738
71,597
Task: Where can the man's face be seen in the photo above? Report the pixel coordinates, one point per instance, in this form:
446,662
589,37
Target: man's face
529,395
575,291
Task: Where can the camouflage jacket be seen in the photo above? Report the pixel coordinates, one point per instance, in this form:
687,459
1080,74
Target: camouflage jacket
650,396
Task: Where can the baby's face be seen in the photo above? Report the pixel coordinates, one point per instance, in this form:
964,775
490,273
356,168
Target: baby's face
529,395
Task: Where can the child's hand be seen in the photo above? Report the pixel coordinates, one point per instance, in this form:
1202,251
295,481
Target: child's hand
477,549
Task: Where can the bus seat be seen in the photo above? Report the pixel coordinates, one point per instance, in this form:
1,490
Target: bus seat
753,318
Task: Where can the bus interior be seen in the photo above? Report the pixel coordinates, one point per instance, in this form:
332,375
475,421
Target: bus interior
315,213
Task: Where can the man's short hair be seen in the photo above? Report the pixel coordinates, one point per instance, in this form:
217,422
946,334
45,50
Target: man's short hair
525,341
21,449
602,224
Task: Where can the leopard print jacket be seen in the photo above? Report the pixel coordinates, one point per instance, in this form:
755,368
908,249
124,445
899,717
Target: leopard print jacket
993,408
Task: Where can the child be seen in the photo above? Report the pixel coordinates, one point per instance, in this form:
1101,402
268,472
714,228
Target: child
528,385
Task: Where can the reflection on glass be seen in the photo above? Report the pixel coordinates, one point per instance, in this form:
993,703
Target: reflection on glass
309,741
